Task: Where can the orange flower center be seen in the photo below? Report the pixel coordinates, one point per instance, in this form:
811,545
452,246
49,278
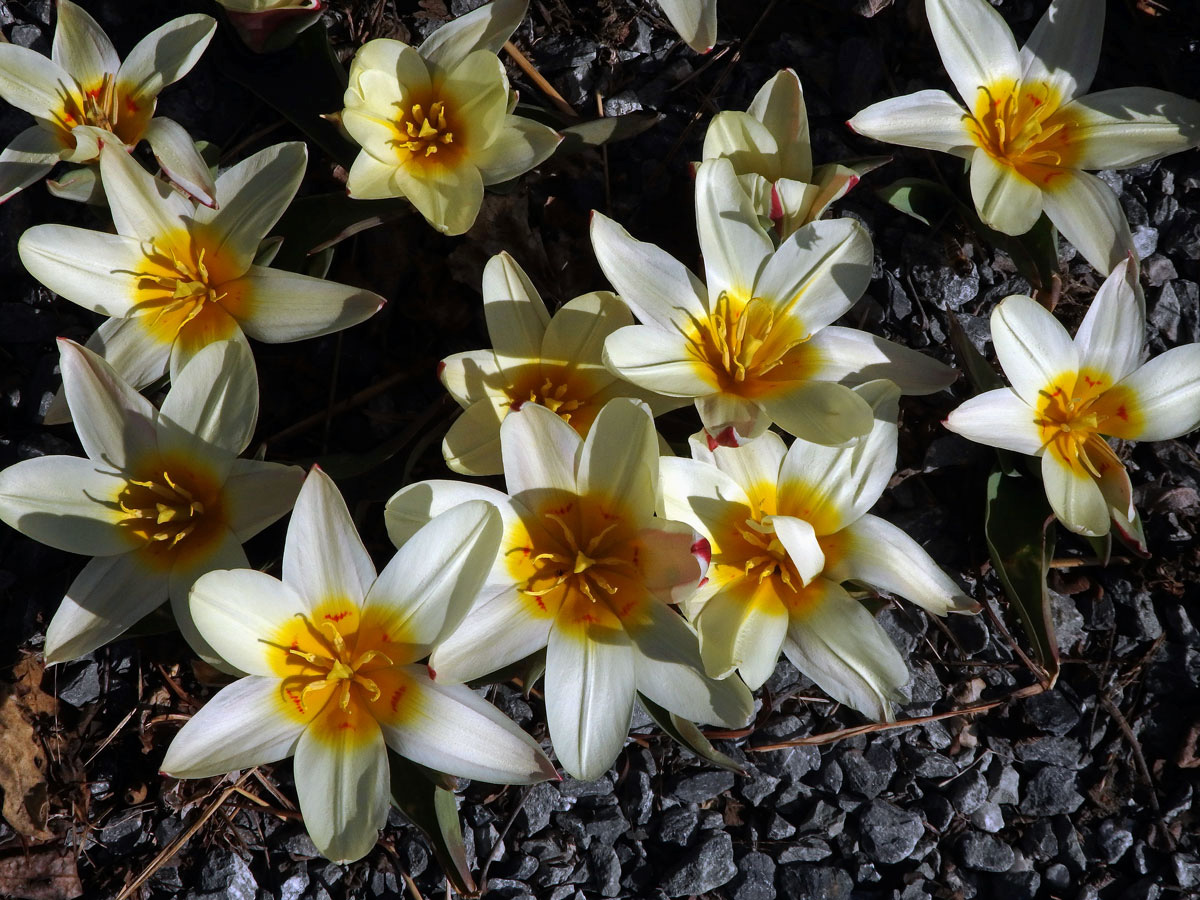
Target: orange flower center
174,510
742,341
1075,411
1023,126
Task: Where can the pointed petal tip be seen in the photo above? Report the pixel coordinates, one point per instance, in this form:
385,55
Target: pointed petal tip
432,672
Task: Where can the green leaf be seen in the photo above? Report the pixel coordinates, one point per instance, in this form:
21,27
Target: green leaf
688,735
924,200
607,130
434,811
1020,537
979,371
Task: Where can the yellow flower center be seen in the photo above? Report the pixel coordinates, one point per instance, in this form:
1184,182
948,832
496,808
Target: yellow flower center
1075,411
555,397
424,131
1023,126
741,341
768,558
104,107
173,510
340,670
584,564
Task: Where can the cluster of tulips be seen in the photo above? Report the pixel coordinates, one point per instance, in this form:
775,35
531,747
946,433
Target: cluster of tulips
677,579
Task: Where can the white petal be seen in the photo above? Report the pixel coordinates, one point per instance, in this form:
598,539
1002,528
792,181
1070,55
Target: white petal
238,611
32,82
485,28
134,353
875,552
734,245
1075,497
540,452
497,632
253,195
1087,213
90,268
745,142
66,502
81,46
430,583
520,145
450,728
323,556
164,56
800,541
143,207
1033,347
1111,334
590,683
212,408
754,465
342,784
779,105
730,419
115,423
743,634
700,494
1004,199
1129,126
977,47
516,316
213,326
929,120
412,506
657,287
845,651
30,156
695,20
577,333
854,357
830,487
472,444
658,360
619,462
818,273
666,656
1064,48
818,411
179,159
224,553
109,596
244,725
258,493
998,418
280,306
1167,389
448,198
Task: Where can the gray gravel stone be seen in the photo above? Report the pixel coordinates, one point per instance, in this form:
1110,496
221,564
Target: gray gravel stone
985,853
755,879
677,825
1186,867
889,833
868,773
969,791
701,786
988,817
709,865
1113,840
1051,791
813,883
1051,712
539,802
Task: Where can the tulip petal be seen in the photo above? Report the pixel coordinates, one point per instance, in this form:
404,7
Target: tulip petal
238,611
448,198
472,443
1111,334
818,273
90,268
732,419
211,409
779,105
81,47
134,353
66,502
928,120
1087,213
1126,127
115,423
213,325
830,487
225,552
34,83
1167,392
975,43
258,493
1033,347
1064,49
323,556
743,627
143,207
854,357
590,684
516,316
800,541
164,56
109,596
754,466
430,583
30,156
734,246
998,418
657,287
342,783
1005,199
281,307
485,28
243,725
412,506
670,563
840,646
540,455
701,494
619,461
576,335
450,728
745,141
179,159
818,411
658,360
520,145
666,658
472,376
497,632
875,552
1074,496
695,20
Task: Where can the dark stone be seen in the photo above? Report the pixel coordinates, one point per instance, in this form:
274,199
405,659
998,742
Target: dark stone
938,811
1051,712
889,833
701,786
1039,841
813,882
677,825
1058,877
82,683
969,791
539,802
806,850
934,766
988,817
121,834
755,879
602,786
868,773
1057,751
709,865
605,871
637,794
605,826
985,853
1051,791
1114,841
1186,868
1018,885
229,874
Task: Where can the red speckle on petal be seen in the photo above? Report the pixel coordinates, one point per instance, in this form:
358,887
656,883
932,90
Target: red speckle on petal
130,106
727,437
432,673
853,182
776,205
345,725
396,695
1122,413
1036,101
337,617
702,582
441,367
702,550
